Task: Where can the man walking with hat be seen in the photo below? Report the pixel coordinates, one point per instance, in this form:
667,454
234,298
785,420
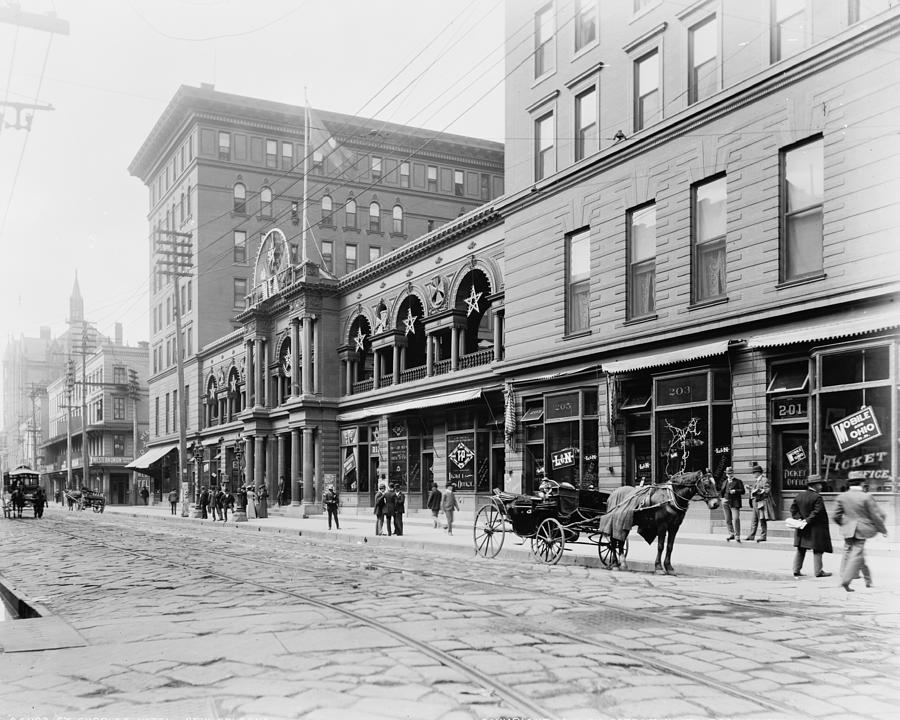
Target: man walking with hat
762,505
809,508
860,518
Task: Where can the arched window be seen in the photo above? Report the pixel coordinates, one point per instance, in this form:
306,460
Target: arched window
240,198
350,213
398,220
265,202
374,217
327,210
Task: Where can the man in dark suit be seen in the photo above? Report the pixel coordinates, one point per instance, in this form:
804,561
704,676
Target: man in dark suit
390,507
808,506
860,518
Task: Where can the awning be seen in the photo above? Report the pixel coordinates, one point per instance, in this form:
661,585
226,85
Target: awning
451,398
799,332
668,357
555,375
150,457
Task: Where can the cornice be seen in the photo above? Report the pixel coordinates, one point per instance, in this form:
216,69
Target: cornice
637,42
770,81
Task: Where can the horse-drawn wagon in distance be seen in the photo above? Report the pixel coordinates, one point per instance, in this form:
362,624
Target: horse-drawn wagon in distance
21,489
85,498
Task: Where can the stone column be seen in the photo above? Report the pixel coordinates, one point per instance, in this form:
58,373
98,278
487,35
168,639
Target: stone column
294,478
376,369
498,335
295,357
348,374
270,462
462,341
279,466
249,460
257,393
454,349
260,458
307,355
429,355
308,449
315,358
396,365
266,388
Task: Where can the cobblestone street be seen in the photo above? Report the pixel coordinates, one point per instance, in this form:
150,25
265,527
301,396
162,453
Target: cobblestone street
146,618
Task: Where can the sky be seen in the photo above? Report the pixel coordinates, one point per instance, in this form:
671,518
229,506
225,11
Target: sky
67,201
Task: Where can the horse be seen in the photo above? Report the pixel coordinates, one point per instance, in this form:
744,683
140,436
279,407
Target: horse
18,501
657,511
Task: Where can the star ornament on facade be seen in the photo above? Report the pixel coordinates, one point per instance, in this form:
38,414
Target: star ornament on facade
360,340
472,302
410,321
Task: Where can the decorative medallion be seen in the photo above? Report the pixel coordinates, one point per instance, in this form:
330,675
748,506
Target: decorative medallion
409,322
437,291
472,302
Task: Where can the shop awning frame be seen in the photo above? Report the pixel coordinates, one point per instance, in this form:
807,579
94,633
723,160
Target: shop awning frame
667,357
151,456
804,331
450,398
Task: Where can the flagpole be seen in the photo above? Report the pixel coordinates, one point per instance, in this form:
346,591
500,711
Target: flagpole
304,254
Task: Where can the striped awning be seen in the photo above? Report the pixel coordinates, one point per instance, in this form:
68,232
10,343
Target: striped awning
804,331
667,357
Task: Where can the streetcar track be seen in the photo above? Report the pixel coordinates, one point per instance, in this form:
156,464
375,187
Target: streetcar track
510,695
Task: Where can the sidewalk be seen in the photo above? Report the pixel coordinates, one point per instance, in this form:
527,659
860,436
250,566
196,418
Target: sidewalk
694,554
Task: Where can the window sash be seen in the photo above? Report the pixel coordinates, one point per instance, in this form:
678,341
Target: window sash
543,37
587,137
585,23
643,288
544,139
703,78
789,29
803,248
710,269
351,258
803,197
647,95
404,174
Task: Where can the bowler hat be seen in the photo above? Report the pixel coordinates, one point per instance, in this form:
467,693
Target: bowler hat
757,469
814,480
855,480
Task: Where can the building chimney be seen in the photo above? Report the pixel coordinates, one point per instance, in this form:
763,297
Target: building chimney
118,333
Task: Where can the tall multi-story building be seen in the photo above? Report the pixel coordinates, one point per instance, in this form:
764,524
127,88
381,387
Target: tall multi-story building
111,386
693,267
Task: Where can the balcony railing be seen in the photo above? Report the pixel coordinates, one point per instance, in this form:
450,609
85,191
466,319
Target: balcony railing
362,386
416,373
441,367
480,357
386,380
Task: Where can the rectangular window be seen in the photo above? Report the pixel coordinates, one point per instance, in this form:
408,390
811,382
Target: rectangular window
864,9
703,78
587,136
271,153
585,23
118,445
240,246
404,174
156,417
642,261
788,28
351,258
374,253
189,208
459,183
190,341
118,408
318,161
240,293
646,91
328,255
803,179
543,40
578,276
375,168
190,293
175,412
432,178
709,239
287,156
485,186
224,146
544,137
168,410
119,375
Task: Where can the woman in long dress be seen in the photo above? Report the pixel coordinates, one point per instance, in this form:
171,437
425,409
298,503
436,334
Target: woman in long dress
251,504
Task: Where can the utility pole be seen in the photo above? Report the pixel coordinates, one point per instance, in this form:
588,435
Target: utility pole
70,387
176,248
134,389
85,459
34,392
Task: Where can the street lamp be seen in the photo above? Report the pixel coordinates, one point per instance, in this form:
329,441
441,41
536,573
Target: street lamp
197,449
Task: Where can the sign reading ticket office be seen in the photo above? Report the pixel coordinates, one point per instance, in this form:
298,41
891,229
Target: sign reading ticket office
856,429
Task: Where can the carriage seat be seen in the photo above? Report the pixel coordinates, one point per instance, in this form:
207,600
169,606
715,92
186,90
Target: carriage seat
568,498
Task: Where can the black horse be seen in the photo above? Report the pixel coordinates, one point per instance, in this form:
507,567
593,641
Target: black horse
657,511
17,498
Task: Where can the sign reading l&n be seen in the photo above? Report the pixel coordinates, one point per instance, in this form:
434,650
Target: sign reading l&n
563,458
856,429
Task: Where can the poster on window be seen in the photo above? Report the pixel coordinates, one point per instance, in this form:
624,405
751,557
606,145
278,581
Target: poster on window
856,429
798,454
461,461
563,458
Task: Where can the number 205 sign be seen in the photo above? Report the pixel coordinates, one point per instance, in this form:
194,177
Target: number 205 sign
856,429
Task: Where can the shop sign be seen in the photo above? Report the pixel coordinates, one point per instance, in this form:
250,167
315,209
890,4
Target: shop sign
461,465
348,437
562,406
397,459
798,454
831,461
681,390
856,429
562,458
790,407
349,463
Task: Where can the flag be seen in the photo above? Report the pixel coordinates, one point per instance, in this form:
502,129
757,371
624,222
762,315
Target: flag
323,144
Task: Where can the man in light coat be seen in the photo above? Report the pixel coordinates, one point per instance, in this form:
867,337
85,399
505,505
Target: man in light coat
762,504
815,535
860,518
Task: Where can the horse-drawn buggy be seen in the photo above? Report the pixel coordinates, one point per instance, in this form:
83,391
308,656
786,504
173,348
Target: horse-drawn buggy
85,498
21,489
561,513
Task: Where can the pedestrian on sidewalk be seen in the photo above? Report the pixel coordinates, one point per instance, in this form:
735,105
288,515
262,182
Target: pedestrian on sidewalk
251,503
379,509
390,507
860,518
279,498
173,500
262,501
204,502
332,502
732,492
449,504
227,503
218,499
809,508
399,509
762,505
145,494
434,503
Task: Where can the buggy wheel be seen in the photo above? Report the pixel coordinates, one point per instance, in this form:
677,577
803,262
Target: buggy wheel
489,530
607,553
549,541
97,508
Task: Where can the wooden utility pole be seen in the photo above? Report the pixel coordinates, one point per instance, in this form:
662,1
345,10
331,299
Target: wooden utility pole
70,387
177,251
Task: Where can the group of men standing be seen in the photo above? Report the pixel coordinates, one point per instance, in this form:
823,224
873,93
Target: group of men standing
390,505
215,503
